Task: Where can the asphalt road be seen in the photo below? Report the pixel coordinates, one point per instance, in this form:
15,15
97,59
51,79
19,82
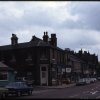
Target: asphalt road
90,91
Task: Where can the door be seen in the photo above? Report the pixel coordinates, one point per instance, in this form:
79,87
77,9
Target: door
44,75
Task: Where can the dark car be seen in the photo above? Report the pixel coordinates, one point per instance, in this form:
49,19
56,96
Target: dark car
29,81
19,88
3,92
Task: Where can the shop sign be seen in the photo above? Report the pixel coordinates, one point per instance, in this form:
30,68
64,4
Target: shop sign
68,70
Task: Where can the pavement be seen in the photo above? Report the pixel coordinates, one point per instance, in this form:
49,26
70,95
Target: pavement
38,88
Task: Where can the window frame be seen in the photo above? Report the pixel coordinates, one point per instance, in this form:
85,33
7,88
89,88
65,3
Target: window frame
6,76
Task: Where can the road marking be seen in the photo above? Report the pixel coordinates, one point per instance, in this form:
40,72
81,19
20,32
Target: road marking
98,97
86,92
94,92
95,87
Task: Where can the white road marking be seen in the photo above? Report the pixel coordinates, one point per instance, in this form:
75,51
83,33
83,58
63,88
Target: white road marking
98,97
95,87
86,92
94,92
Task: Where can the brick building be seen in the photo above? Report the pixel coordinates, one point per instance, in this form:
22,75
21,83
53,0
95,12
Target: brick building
40,60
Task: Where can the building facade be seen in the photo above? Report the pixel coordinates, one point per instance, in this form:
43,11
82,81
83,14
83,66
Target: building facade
81,65
42,61
39,60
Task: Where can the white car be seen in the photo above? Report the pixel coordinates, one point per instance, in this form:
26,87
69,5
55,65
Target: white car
87,80
92,80
81,82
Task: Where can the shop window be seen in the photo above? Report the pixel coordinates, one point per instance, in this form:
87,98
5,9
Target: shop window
3,75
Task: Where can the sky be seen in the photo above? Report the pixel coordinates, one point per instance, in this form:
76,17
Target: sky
76,23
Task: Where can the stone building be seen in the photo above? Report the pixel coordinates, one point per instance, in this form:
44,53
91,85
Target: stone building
39,59
42,61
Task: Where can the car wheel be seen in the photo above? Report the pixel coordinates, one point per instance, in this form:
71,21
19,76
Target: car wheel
18,93
30,93
6,94
3,95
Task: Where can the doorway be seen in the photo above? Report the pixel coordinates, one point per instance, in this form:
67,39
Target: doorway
44,75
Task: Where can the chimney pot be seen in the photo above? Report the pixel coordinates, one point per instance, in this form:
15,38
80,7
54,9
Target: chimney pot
44,33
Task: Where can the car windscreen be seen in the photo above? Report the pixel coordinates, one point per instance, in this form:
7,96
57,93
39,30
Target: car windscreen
81,80
17,85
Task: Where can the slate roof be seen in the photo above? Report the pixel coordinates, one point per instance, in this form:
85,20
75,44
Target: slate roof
4,67
33,43
74,58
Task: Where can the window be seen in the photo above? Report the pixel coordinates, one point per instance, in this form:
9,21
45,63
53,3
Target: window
54,75
43,74
3,75
43,68
53,69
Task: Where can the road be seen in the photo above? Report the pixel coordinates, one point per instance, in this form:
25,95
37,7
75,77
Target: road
90,91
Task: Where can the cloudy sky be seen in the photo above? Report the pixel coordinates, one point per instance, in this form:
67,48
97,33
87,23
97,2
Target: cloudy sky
76,24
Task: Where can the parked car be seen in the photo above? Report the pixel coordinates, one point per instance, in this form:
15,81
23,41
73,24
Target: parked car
98,78
81,82
19,88
93,80
87,80
29,82
3,92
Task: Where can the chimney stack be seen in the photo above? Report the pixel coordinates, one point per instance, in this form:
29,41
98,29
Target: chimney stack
45,37
53,40
14,39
